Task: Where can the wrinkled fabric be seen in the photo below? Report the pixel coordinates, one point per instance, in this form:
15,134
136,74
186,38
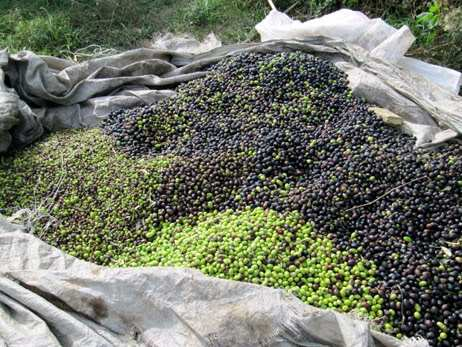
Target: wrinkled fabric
184,43
48,298
52,94
377,37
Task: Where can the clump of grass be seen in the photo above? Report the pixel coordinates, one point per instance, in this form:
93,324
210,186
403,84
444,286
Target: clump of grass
234,21
440,39
58,27
45,33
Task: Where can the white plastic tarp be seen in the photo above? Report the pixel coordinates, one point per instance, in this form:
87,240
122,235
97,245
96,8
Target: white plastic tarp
49,299
377,37
184,43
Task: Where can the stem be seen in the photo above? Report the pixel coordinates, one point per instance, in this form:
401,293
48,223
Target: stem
387,193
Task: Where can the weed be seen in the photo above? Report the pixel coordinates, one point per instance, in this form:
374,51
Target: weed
426,24
46,33
59,26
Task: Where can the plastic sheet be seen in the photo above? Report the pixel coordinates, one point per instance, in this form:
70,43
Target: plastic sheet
185,43
56,94
374,35
50,299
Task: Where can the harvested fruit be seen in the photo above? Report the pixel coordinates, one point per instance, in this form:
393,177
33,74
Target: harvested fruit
265,247
87,198
269,155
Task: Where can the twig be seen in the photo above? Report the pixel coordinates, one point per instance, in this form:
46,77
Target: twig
270,2
54,193
253,35
291,7
390,191
91,51
401,297
453,244
402,306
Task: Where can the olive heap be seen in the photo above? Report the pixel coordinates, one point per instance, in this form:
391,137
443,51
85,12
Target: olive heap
283,132
263,247
88,198
267,170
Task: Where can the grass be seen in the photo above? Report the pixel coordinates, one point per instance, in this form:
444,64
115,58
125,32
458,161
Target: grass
60,27
234,21
44,32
